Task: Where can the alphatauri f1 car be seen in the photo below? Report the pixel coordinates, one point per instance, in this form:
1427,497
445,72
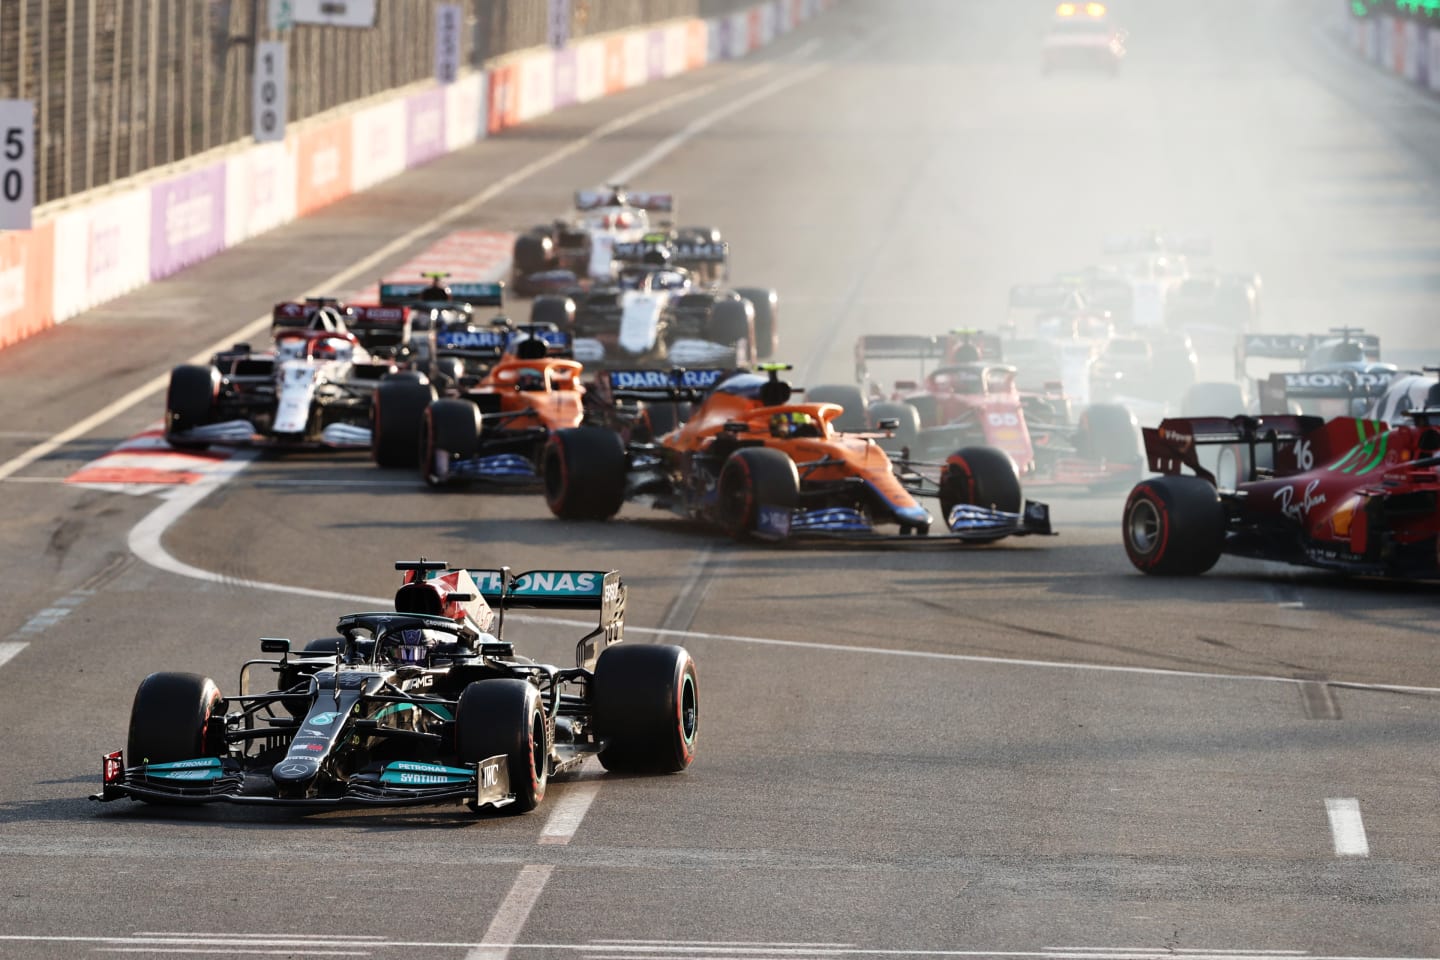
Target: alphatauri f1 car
426,703
753,463
1347,494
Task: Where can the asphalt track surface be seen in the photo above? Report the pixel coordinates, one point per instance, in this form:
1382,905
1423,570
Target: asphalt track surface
1024,750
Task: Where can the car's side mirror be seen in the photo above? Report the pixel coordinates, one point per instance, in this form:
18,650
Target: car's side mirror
736,426
889,424
275,645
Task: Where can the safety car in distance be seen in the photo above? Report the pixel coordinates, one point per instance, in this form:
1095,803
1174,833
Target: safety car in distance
1347,494
755,464
1081,37
424,704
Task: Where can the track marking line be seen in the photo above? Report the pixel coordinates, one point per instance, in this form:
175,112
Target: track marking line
145,542
1346,827
9,649
233,951
512,913
570,808
1159,953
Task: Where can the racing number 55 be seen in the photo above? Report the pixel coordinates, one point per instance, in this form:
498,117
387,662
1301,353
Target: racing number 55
17,163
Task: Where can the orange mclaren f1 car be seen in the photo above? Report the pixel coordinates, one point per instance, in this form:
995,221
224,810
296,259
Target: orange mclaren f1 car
495,430
756,464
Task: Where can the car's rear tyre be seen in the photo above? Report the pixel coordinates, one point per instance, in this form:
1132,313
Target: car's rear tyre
752,479
659,418
505,716
907,433
767,316
1109,432
853,420
732,319
584,470
451,429
190,402
173,717
980,476
396,419
646,699
534,252
552,309
1174,526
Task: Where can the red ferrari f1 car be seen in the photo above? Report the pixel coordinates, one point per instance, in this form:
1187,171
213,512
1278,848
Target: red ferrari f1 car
1347,494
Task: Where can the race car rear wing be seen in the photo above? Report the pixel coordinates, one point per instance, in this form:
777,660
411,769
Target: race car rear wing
496,341
602,591
379,328
481,294
662,385
1279,388
1174,444
651,202
681,253
1300,346
293,315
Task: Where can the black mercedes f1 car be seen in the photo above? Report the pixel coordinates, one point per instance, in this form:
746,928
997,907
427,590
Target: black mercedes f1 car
423,704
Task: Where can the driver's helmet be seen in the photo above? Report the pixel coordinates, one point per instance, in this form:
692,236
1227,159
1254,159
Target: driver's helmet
656,256
324,349
967,353
529,378
793,424
1347,352
412,646
437,292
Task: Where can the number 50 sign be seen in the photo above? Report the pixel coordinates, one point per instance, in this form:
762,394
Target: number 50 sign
17,163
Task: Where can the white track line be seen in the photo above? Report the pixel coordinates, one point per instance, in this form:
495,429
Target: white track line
145,542
1159,953
570,808
514,910
1346,827
8,649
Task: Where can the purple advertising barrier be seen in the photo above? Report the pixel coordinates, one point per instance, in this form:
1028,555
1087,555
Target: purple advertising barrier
424,127
719,40
187,220
655,55
567,77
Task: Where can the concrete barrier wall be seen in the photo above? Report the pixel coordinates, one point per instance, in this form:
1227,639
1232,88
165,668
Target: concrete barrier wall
1406,48
98,248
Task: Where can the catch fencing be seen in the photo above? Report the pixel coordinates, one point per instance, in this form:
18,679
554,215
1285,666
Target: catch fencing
125,86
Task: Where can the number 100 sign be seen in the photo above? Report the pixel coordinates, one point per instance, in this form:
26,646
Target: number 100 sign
17,163
270,89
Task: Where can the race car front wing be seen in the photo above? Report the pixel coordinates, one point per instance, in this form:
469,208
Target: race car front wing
485,784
